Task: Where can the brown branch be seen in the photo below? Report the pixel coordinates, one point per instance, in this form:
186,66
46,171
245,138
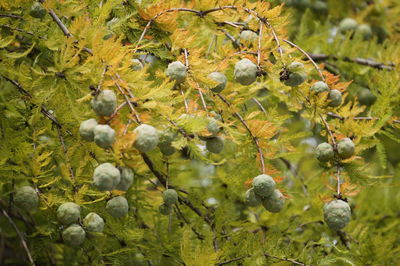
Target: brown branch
360,61
60,24
10,16
136,116
21,30
25,246
362,118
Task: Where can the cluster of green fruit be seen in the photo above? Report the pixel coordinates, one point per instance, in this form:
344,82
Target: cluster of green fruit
349,24
264,192
325,152
334,96
69,214
104,104
170,197
337,213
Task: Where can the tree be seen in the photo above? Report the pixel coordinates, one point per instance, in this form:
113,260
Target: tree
152,132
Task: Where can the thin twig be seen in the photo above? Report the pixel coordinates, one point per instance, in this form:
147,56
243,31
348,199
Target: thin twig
25,246
184,101
285,259
259,45
360,61
136,116
11,16
255,139
21,30
308,57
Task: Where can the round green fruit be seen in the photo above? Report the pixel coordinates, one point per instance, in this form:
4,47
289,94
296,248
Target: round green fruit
215,145
69,213
320,7
263,185
146,138
165,142
86,129
106,177
176,71
348,24
245,72
275,202
165,209
74,235
170,197
117,207
26,198
93,223
365,31
337,214
366,97
213,127
335,98
105,103
221,79
248,36
345,148
126,179
37,10
297,74
324,152
104,136
136,64
251,198
319,86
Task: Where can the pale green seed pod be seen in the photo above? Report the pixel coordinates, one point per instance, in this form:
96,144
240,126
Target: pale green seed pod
117,207
126,179
37,10
26,198
324,152
105,103
348,24
213,127
93,223
106,177
220,78
165,142
245,72
335,98
86,129
136,65
297,74
275,202
215,145
248,36
176,71
146,138
251,198
68,213
365,31
366,97
320,7
319,86
74,235
104,136
337,214
263,185
165,209
345,148
170,197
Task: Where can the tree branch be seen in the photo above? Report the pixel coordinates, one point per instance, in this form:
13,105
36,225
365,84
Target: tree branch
360,61
25,246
